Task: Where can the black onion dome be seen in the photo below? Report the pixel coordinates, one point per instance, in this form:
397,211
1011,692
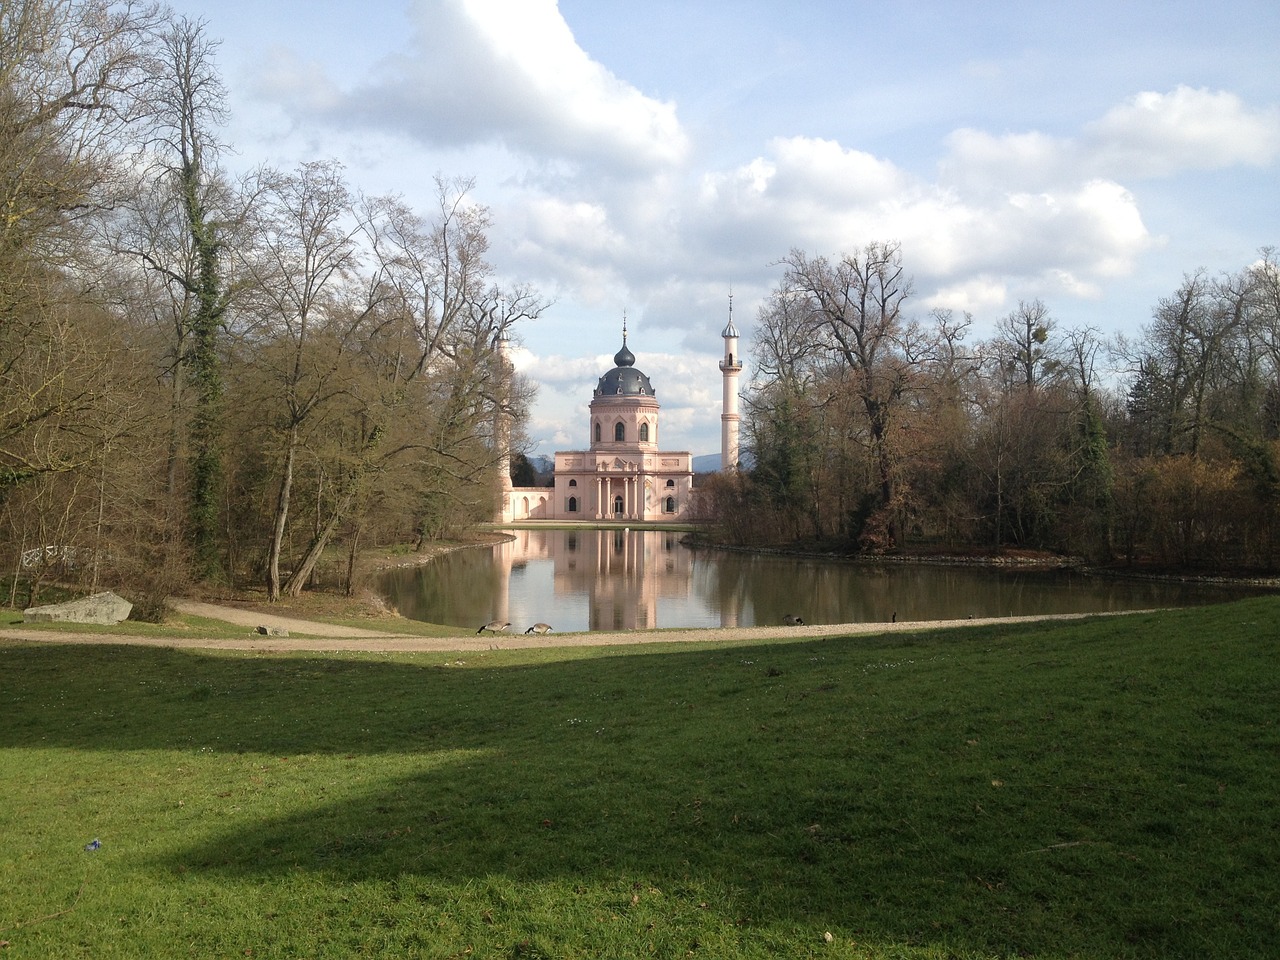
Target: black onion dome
624,379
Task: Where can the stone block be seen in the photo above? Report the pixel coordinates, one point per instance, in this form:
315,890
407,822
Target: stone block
101,608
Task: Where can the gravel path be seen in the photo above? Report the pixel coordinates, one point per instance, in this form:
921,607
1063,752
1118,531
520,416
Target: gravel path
312,635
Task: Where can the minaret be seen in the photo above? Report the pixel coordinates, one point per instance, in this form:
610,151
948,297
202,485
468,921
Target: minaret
730,367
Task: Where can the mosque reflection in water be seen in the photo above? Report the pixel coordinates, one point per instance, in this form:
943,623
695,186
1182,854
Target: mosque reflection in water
583,579
624,579
603,579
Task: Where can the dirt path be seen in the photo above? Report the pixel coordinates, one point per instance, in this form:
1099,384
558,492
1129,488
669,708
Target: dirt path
255,618
325,636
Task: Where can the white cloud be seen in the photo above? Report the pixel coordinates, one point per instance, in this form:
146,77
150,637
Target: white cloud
559,371
687,386
978,161
303,83
571,242
1159,134
1016,215
1093,230
807,167
976,295
1149,135
830,200
497,71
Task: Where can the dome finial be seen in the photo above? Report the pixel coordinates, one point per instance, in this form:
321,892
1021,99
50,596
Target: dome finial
729,329
624,357
624,379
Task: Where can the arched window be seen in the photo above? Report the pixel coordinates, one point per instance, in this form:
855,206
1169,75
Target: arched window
597,433
573,504
671,484
671,504
644,433
573,483
619,431
617,505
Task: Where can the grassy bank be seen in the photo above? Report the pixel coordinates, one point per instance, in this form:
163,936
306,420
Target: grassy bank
1073,789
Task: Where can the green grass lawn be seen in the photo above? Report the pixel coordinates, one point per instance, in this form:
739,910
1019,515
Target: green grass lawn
1085,789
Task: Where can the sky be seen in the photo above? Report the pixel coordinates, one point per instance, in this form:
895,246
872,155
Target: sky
650,159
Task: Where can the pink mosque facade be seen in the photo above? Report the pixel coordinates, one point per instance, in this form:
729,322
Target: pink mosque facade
623,474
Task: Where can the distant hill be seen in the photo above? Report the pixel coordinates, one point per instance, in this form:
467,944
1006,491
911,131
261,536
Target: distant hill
710,462
707,463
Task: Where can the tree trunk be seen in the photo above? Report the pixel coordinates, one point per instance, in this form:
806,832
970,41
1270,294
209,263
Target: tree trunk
297,580
353,550
282,516
354,486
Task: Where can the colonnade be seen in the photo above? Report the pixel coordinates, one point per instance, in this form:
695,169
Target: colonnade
632,494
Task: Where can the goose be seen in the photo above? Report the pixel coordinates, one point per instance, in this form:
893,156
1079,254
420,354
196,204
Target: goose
494,626
539,628
791,620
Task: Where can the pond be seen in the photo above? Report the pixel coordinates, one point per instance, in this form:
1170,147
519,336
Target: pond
617,579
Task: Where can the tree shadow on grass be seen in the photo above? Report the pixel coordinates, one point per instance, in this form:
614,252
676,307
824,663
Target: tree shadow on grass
817,783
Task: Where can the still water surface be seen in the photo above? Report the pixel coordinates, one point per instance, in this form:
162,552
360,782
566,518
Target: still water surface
615,579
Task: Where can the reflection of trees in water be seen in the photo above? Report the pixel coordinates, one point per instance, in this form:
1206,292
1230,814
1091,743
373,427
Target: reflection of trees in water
614,579
449,589
765,589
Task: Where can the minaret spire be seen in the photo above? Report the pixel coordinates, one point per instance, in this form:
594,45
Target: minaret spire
730,367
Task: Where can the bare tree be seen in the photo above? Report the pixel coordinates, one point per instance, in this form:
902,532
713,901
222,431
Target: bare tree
189,103
856,312
307,252
437,272
1266,300
71,72
1082,349
1180,361
1026,346
176,226
69,79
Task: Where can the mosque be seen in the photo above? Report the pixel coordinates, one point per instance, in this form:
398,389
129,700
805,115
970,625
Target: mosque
623,475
